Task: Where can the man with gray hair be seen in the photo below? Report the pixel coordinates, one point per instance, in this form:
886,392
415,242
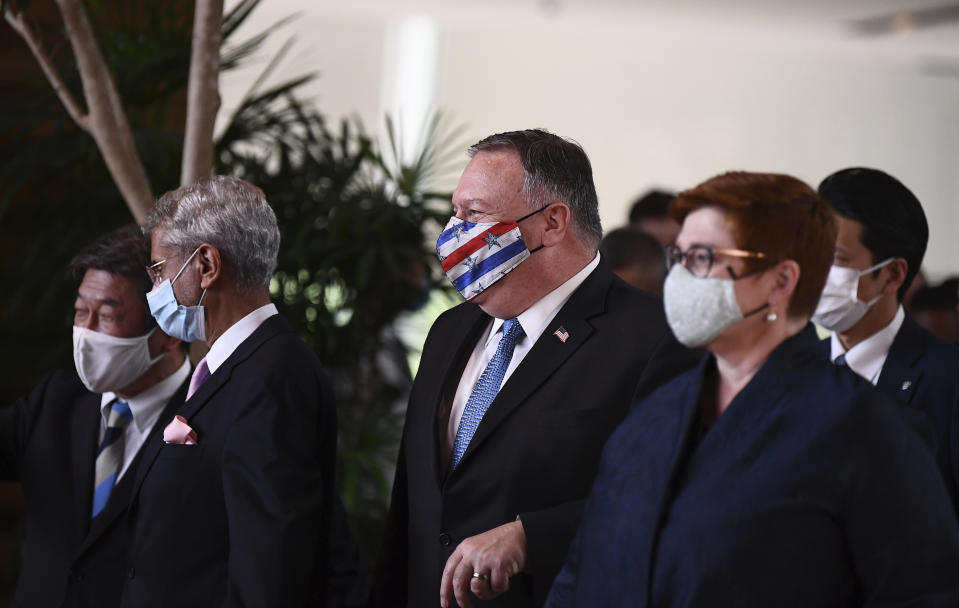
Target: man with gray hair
519,387
232,507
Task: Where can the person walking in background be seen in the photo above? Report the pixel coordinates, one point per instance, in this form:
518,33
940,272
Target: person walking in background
766,476
232,507
75,441
879,248
519,387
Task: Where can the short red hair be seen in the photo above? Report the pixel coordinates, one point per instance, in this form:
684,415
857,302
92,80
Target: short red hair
777,215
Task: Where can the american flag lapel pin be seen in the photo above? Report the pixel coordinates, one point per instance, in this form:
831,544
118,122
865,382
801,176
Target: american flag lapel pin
562,334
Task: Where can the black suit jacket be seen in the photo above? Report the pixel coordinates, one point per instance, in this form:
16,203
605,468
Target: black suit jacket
242,517
922,371
537,448
48,442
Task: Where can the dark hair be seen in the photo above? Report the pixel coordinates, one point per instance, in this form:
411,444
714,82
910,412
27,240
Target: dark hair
124,252
939,297
653,204
625,247
893,223
555,168
777,215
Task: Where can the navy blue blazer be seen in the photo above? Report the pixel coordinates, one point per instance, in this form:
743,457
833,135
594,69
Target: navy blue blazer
809,490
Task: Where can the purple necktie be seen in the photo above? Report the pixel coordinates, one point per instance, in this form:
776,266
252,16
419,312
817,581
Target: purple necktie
200,374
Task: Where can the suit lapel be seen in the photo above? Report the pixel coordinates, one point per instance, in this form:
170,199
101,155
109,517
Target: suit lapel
85,442
900,375
548,353
677,425
269,328
120,496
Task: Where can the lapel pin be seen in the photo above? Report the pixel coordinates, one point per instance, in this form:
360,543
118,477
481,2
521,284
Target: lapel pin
562,334
906,385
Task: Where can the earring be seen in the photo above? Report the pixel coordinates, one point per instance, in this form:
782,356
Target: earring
771,316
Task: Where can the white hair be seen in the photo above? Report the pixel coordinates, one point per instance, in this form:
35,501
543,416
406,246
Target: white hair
228,213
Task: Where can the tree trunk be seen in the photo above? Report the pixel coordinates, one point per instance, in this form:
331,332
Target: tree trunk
107,120
203,97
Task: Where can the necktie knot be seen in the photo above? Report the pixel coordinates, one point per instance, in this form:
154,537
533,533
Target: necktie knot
840,360
200,374
512,332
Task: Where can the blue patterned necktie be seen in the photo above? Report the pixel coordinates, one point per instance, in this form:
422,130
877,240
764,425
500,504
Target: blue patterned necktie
110,454
486,389
841,360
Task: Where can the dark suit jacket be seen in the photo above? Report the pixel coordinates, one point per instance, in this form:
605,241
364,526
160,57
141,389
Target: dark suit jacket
809,490
48,442
537,448
922,371
241,518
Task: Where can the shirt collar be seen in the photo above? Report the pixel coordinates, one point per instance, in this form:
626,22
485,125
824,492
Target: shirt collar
534,319
147,405
236,334
868,357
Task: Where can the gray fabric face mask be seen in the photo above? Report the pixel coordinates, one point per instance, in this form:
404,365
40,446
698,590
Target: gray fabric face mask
698,309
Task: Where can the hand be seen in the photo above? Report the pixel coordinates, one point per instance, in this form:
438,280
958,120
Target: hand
499,554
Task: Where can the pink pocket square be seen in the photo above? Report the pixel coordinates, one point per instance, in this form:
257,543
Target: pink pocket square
178,431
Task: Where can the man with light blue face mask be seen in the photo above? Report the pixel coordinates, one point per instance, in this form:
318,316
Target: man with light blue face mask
234,504
879,249
75,442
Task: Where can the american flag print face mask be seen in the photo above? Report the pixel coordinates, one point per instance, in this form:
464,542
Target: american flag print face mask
476,255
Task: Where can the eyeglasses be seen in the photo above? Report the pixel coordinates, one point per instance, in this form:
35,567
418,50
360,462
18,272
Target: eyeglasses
698,259
156,271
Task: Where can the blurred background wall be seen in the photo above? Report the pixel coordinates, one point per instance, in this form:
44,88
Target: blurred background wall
659,93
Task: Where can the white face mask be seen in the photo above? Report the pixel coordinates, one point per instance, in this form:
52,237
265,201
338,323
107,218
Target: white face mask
699,308
839,305
107,363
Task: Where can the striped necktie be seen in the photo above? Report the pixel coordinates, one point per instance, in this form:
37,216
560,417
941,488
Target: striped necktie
486,389
110,454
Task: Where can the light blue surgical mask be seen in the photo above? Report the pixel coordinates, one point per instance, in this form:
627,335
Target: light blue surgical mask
185,323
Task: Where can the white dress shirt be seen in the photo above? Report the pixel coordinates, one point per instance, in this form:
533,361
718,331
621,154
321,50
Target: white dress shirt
146,408
868,357
236,334
533,320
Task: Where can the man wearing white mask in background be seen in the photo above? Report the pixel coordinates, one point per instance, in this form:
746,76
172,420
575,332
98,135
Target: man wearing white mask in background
74,441
879,249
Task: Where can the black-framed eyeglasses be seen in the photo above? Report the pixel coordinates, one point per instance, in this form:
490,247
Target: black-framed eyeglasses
155,271
698,259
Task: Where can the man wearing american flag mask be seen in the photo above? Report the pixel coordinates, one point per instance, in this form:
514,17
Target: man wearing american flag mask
518,387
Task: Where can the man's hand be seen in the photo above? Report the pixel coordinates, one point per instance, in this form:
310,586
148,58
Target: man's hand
496,555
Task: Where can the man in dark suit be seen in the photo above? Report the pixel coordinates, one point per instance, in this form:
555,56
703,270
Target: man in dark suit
879,249
231,507
518,388
67,444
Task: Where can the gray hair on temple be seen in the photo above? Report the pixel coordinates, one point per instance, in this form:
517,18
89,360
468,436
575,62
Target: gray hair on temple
228,213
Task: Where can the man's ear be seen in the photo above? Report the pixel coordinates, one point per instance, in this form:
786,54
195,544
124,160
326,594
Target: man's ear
896,272
558,217
210,265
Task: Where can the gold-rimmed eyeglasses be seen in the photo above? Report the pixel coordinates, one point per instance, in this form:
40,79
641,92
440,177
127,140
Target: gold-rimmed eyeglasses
155,271
698,259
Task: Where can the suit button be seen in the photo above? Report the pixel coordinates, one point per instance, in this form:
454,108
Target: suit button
445,539
75,577
131,572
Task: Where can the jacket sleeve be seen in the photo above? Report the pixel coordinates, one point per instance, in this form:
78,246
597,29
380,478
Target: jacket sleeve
390,576
277,486
18,419
899,524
